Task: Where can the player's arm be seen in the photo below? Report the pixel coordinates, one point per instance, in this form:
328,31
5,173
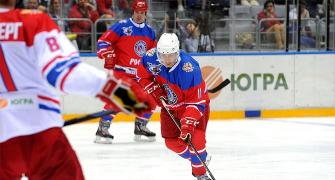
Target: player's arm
148,82
194,93
61,67
105,45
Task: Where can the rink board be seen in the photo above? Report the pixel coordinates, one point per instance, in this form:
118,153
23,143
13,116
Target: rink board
262,85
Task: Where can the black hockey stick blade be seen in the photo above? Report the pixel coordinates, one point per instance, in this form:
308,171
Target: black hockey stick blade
220,86
87,117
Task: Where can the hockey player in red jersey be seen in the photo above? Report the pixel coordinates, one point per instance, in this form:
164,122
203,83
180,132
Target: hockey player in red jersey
35,58
171,73
122,47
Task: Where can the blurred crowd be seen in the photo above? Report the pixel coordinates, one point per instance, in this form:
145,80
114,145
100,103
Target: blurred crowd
194,21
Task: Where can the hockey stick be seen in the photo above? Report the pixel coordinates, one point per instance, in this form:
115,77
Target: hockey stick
188,142
220,86
104,112
88,117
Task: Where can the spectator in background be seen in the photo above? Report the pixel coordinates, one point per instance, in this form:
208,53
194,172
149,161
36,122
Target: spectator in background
180,6
331,5
189,35
54,12
31,4
83,28
105,7
124,9
273,25
312,7
103,25
42,8
169,25
306,38
249,2
283,2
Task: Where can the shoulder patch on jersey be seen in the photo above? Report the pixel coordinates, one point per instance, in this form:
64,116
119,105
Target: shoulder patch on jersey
31,11
127,30
154,69
188,67
151,52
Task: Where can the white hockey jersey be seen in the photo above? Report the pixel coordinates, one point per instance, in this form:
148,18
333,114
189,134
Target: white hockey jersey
34,56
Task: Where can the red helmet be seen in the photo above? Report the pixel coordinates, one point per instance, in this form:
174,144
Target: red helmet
139,5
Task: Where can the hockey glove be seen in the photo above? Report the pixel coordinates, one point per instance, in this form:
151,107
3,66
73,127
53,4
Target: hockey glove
156,91
125,95
108,54
187,128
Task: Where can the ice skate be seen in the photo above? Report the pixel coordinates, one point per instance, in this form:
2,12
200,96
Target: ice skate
142,133
102,135
203,177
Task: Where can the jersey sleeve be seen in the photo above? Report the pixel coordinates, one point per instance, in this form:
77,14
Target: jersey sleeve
59,62
110,37
144,76
194,94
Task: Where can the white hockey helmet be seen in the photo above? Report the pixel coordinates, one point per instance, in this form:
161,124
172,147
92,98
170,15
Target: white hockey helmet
168,49
168,43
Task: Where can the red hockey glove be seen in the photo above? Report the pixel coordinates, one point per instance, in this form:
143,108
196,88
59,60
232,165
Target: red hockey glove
108,54
125,95
156,91
187,128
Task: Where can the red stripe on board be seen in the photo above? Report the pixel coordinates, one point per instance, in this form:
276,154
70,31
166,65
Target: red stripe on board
7,78
49,99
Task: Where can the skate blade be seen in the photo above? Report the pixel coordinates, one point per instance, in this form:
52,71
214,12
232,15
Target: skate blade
103,140
141,138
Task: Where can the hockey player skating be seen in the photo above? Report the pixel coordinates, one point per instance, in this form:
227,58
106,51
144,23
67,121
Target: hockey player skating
122,47
35,55
176,76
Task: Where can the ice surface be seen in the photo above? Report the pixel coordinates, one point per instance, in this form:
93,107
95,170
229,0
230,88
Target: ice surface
252,149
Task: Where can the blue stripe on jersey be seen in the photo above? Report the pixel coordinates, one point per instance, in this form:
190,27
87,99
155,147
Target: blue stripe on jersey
45,107
102,44
126,26
59,67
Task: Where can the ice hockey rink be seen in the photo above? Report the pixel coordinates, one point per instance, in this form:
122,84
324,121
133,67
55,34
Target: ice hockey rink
251,149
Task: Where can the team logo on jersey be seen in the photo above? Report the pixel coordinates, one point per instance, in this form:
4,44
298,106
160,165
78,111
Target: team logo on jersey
155,69
171,96
140,48
3,103
151,52
127,30
188,67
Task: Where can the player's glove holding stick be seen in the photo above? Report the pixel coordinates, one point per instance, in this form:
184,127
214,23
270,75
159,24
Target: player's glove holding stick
125,95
